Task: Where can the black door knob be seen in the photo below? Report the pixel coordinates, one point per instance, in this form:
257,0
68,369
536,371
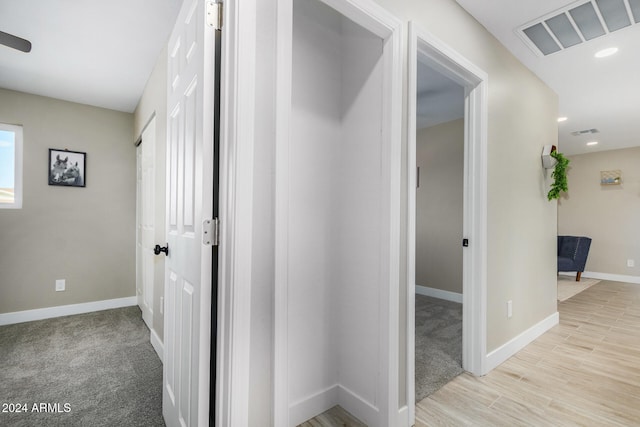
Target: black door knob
158,249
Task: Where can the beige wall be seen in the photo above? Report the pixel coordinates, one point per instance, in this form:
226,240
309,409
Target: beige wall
606,213
154,103
439,206
84,235
521,223
521,119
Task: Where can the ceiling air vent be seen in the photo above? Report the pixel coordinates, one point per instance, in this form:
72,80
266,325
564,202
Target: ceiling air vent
579,23
584,132
635,9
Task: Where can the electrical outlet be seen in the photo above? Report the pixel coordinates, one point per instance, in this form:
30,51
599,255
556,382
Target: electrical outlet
631,263
509,309
60,285
161,305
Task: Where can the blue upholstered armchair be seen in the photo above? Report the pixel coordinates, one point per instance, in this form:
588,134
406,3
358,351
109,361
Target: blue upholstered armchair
572,254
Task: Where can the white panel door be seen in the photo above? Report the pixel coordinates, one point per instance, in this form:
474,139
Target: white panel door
146,221
189,201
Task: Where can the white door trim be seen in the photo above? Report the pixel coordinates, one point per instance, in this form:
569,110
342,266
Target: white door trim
236,216
453,65
376,19
284,75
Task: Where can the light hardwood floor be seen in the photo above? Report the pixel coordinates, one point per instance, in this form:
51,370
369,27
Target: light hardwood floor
334,417
585,371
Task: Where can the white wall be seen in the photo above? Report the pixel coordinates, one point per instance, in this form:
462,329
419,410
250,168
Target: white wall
360,212
315,141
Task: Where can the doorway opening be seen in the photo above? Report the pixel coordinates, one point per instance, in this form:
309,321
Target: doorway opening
437,73
439,228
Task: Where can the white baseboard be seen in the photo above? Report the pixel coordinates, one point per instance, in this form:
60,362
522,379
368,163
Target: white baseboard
311,406
439,293
358,407
606,276
65,310
505,351
157,344
326,399
403,417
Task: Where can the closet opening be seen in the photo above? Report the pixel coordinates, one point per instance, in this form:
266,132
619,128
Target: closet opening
338,187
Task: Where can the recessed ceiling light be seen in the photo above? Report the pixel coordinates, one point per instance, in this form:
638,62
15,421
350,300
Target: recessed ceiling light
606,52
562,119
592,143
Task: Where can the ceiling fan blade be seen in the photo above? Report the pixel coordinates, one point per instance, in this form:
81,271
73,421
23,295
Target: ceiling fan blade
15,42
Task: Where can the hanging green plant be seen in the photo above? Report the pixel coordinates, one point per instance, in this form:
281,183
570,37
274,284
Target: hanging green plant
559,176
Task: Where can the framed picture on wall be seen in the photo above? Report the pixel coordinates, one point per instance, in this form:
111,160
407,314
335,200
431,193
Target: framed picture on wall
67,168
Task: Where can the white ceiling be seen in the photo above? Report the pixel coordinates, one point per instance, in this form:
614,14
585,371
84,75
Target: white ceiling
593,93
439,99
102,53
87,51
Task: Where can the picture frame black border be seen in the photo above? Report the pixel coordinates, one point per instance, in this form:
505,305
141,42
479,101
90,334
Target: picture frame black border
55,151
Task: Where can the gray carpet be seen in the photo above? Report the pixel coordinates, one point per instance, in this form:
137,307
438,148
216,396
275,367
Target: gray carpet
96,369
438,344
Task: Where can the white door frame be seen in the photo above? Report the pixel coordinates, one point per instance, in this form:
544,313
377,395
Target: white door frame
376,19
450,63
236,212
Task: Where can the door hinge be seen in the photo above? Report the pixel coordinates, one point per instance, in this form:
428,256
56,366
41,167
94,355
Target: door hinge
211,232
214,15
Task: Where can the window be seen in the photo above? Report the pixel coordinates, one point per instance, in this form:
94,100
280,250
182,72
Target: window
10,166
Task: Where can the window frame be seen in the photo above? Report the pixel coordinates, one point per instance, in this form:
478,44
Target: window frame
18,163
